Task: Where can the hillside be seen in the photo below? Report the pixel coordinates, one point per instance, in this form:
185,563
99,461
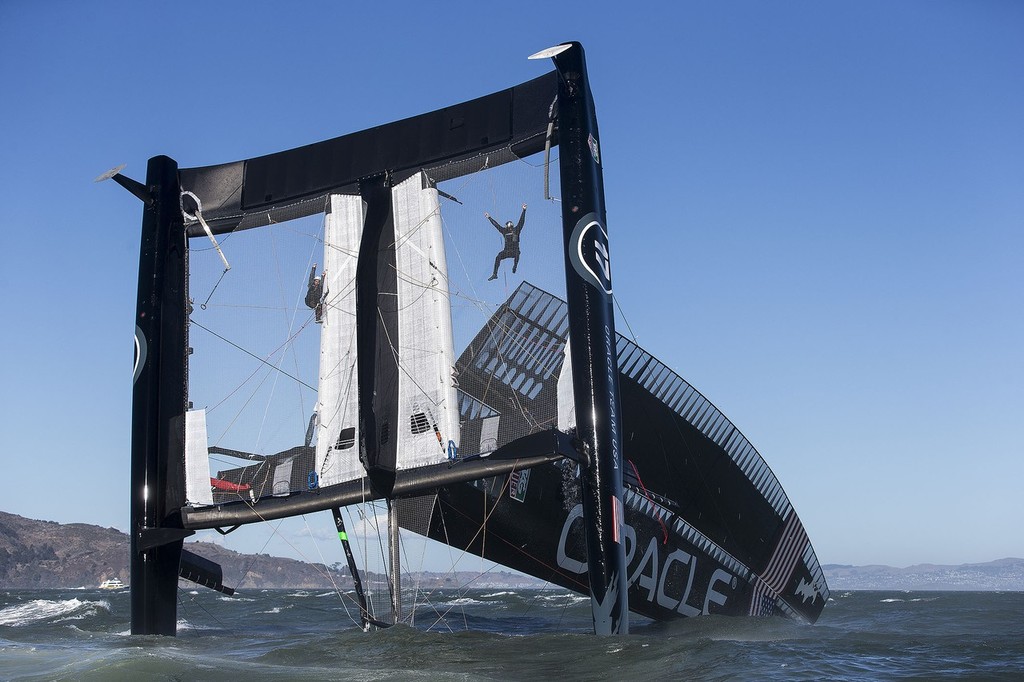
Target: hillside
1002,574
40,554
44,554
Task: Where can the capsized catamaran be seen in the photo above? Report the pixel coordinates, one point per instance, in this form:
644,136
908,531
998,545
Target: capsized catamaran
341,295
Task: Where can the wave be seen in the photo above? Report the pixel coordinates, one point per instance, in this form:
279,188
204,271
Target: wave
462,601
39,610
183,625
277,609
570,597
498,594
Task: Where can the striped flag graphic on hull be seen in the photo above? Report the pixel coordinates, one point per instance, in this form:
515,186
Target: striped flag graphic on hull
777,573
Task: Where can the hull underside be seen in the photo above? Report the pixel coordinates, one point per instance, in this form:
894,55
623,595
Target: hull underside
532,521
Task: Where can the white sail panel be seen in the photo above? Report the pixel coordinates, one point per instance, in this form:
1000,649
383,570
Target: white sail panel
197,459
428,412
337,447
566,397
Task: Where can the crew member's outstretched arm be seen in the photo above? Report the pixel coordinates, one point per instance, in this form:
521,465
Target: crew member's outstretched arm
494,222
522,218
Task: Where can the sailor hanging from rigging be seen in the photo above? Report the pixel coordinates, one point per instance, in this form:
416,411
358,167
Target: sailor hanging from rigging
315,293
510,233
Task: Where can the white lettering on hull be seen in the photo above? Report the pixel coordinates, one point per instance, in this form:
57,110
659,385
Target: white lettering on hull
651,571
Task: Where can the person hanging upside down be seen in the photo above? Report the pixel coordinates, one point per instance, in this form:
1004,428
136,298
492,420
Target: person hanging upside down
511,249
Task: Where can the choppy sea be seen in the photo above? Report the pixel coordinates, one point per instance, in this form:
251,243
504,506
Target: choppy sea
507,634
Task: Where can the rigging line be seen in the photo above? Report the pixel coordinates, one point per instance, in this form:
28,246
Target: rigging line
291,324
335,300
200,605
250,353
341,406
238,414
408,278
461,592
372,578
240,306
623,316
447,542
220,279
380,542
465,550
252,561
664,530
407,236
247,379
410,304
417,583
347,367
337,590
405,371
510,337
517,548
482,528
199,216
516,399
274,531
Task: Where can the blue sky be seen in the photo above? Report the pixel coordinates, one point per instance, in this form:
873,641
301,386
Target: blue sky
816,215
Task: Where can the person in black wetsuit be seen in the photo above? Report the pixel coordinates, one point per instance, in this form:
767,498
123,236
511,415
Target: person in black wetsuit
315,293
510,233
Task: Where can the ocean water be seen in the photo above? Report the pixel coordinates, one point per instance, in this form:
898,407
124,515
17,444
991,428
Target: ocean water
507,634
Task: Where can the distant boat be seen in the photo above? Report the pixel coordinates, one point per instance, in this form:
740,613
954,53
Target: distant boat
112,584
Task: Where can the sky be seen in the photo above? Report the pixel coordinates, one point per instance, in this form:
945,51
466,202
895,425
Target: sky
815,214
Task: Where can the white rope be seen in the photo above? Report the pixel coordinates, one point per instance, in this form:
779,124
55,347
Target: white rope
199,216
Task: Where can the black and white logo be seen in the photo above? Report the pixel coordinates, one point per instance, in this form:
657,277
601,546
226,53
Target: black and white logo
140,353
589,252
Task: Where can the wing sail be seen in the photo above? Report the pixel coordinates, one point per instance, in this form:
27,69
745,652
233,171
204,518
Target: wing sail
709,528
337,452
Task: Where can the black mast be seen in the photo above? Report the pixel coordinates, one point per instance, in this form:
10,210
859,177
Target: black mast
158,405
592,335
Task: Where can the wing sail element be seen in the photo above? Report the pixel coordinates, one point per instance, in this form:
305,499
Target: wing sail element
708,528
337,452
376,339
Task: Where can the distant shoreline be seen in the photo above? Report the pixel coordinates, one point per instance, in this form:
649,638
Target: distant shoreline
48,555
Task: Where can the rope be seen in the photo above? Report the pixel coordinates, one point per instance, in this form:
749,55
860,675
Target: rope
664,530
253,355
199,216
209,233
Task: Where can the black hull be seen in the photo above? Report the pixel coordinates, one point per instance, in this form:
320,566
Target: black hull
670,574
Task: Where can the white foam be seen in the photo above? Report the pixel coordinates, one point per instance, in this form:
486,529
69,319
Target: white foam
276,609
569,597
44,609
463,601
498,594
183,625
